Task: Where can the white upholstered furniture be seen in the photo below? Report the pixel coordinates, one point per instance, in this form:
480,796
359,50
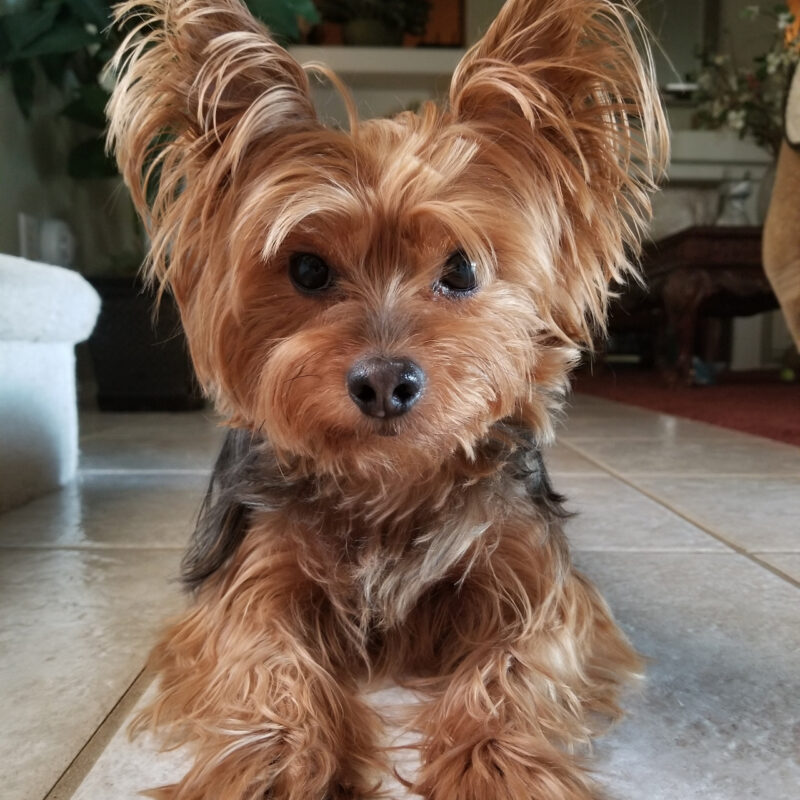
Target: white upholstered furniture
44,312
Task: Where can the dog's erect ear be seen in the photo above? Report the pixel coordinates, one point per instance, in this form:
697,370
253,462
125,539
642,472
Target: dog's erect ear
563,90
196,82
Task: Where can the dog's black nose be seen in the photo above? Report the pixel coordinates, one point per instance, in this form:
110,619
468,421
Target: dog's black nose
384,387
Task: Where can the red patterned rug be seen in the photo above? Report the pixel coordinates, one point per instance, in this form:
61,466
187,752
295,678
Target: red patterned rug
753,402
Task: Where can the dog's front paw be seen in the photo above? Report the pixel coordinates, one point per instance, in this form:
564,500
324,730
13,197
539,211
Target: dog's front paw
508,767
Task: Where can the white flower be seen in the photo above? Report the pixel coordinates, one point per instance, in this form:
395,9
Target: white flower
735,120
785,19
774,61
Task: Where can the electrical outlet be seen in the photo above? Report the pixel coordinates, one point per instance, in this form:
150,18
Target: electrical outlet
46,239
29,236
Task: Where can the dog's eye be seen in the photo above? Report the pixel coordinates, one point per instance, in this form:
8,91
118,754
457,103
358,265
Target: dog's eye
459,275
309,273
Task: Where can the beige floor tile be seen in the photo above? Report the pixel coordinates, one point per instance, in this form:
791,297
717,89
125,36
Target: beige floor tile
74,632
109,510
624,423
714,721
789,564
154,442
128,766
609,515
134,425
722,455
586,405
757,513
719,716
561,460
719,719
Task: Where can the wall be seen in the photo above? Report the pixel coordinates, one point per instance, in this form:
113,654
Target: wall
33,180
22,186
744,39
480,14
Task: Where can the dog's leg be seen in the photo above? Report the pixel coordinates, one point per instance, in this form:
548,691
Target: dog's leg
248,678
532,660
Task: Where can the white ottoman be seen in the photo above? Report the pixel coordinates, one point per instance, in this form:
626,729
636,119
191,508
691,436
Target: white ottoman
44,312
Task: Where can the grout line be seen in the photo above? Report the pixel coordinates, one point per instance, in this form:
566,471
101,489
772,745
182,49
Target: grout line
44,547
645,474
560,473
576,548
89,437
75,772
660,438
91,471
733,476
687,516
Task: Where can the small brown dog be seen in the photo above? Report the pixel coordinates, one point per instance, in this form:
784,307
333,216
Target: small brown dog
387,319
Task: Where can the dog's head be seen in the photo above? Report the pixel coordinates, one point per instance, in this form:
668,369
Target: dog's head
385,296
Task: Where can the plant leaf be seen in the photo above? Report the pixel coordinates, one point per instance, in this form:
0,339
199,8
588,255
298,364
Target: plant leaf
305,9
282,18
23,27
95,12
5,44
54,67
89,160
67,38
23,81
88,107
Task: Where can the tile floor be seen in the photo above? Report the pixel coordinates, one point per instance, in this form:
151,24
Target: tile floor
692,533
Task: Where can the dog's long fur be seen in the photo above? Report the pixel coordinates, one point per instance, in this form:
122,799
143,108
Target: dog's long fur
335,548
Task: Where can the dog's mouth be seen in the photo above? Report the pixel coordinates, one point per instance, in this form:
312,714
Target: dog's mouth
386,427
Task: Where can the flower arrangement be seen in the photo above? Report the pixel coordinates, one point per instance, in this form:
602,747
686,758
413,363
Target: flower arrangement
750,100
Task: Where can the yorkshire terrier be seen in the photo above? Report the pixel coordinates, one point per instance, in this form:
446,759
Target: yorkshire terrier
387,318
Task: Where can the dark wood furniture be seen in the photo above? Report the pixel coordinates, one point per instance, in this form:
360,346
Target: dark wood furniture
697,273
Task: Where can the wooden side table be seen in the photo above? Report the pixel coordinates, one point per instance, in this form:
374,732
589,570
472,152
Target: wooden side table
706,271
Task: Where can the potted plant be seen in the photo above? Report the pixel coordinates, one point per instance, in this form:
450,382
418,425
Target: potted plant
749,99
376,22
140,360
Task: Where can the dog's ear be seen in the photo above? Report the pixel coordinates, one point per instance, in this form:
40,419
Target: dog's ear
564,92
197,84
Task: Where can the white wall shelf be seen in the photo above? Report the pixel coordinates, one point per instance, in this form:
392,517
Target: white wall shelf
708,156
386,61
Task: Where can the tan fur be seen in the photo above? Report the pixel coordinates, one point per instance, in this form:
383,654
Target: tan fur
406,549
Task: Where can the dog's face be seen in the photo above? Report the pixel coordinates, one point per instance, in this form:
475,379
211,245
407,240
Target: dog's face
392,306
381,298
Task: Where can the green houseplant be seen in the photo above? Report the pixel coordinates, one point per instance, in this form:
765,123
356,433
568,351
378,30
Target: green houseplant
138,363
69,42
376,22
